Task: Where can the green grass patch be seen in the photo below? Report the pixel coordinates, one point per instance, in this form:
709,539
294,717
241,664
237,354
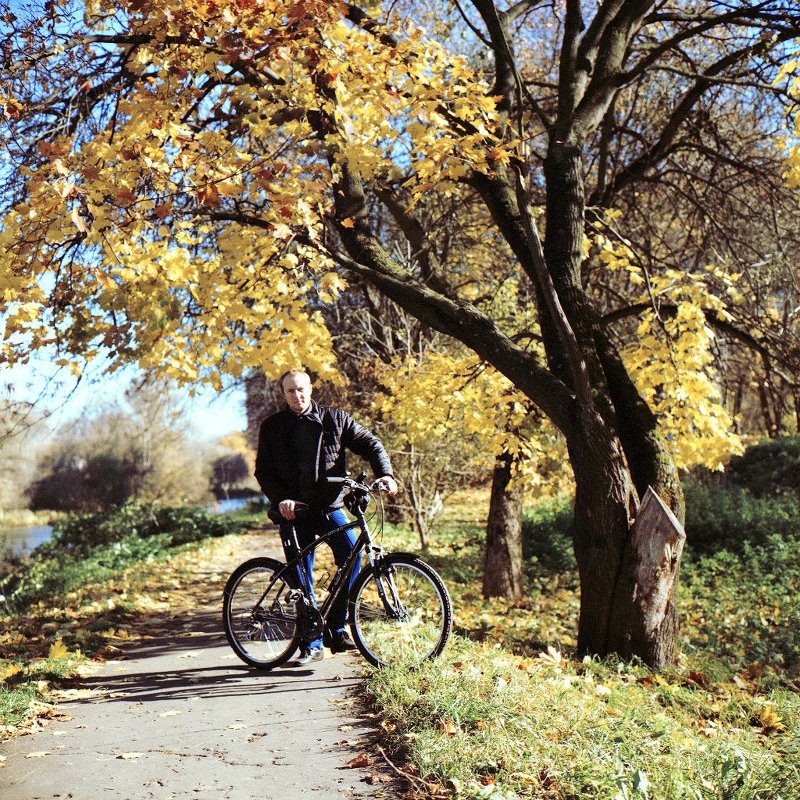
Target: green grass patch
508,712
24,685
482,723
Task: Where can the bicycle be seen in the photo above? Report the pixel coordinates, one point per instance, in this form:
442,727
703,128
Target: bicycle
399,609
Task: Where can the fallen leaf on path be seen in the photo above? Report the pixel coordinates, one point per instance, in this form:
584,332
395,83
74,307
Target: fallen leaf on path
129,756
374,778
76,694
361,760
172,713
52,712
58,650
39,754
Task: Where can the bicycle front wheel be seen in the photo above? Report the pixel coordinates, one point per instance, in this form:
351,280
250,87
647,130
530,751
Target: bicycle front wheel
400,612
259,614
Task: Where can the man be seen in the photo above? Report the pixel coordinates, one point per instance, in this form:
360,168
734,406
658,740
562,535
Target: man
298,449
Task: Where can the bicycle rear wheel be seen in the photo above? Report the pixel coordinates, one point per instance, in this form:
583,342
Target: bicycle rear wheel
414,621
261,628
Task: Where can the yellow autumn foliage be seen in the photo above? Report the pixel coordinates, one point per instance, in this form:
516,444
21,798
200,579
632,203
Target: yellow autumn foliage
186,233
450,400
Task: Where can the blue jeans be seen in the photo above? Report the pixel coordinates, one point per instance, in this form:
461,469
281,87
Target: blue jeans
341,545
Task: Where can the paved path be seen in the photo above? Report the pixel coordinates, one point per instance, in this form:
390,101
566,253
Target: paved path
179,716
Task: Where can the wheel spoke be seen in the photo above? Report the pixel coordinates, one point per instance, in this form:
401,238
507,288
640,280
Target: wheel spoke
404,620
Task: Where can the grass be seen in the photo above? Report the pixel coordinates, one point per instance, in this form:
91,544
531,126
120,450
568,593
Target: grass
508,712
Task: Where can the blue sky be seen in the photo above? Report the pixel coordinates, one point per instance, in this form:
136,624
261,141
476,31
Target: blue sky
214,414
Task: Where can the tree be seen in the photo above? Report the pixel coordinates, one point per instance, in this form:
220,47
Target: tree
141,450
227,472
21,434
188,183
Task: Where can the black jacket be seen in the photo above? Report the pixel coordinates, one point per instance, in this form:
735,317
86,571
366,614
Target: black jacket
277,470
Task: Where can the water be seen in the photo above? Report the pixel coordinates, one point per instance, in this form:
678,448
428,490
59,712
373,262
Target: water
231,504
19,541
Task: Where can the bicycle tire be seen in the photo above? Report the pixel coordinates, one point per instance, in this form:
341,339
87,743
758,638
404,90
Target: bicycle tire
418,629
262,634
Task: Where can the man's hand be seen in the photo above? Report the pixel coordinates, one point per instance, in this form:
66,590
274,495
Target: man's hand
287,507
388,484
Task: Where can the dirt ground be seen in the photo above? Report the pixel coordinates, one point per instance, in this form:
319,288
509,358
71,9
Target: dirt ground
176,715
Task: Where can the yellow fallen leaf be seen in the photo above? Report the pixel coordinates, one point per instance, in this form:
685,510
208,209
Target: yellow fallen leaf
58,650
9,670
770,720
129,756
39,754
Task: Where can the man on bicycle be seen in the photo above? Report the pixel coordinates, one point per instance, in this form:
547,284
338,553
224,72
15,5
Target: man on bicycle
299,448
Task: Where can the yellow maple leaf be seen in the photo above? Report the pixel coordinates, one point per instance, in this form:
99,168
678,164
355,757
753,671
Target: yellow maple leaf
9,670
770,720
58,650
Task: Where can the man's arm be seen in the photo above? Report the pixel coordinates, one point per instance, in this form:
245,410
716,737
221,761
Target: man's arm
365,444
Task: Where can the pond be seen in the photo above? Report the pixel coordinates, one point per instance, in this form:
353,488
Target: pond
19,541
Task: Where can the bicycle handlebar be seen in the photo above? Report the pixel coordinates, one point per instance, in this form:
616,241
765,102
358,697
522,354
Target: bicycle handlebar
357,486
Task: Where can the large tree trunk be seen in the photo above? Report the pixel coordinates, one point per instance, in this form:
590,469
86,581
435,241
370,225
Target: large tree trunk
502,568
614,447
611,435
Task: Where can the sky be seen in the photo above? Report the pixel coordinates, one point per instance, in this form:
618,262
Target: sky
214,414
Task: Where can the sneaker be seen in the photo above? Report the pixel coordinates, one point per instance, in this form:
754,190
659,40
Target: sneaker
309,655
339,641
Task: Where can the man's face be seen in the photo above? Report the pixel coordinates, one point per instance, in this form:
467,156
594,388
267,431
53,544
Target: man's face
297,391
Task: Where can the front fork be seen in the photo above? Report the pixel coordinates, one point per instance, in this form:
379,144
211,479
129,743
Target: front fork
384,581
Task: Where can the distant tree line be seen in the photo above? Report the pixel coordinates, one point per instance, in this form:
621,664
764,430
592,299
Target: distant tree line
145,451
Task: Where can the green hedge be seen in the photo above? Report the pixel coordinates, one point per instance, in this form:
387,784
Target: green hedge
717,518
720,518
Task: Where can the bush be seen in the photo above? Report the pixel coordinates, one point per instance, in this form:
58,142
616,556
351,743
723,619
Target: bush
719,518
80,535
547,531
768,469
91,547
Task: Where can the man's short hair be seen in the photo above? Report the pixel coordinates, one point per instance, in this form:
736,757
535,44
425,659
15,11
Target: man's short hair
291,372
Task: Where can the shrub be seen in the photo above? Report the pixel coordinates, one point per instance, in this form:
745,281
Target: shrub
769,468
719,518
79,535
92,547
547,531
